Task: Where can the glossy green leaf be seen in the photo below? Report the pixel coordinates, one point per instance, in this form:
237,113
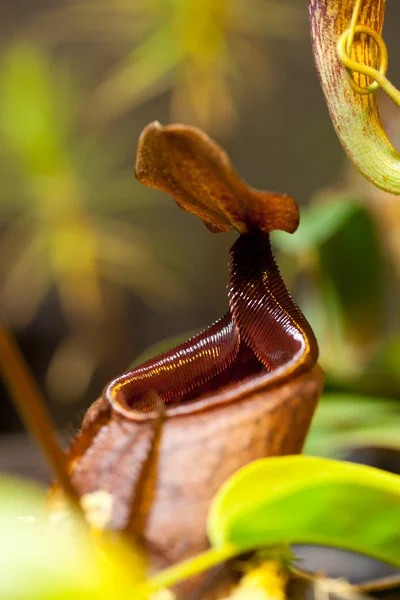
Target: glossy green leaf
300,499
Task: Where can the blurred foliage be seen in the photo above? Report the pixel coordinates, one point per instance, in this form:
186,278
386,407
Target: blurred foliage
341,260
55,556
71,214
337,252
345,420
199,50
59,194
345,260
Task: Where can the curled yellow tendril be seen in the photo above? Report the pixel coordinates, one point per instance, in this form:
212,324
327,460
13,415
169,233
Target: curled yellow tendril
344,47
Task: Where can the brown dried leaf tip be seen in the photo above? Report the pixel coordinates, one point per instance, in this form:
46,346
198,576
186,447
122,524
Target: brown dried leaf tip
185,163
164,436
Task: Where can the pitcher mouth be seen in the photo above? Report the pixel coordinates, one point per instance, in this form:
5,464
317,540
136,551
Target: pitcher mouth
263,339
244,374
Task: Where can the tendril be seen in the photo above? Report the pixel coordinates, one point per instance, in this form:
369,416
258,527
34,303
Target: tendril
377,74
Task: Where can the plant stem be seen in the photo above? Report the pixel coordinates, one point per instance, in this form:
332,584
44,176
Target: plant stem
189,568
32,408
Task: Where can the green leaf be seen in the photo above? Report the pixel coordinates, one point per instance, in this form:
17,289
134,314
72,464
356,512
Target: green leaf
352,260
300,499
318,223
347,420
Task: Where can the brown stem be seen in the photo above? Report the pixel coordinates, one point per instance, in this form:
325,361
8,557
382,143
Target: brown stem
32,408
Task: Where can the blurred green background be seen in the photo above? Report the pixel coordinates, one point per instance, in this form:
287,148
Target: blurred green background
94,267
